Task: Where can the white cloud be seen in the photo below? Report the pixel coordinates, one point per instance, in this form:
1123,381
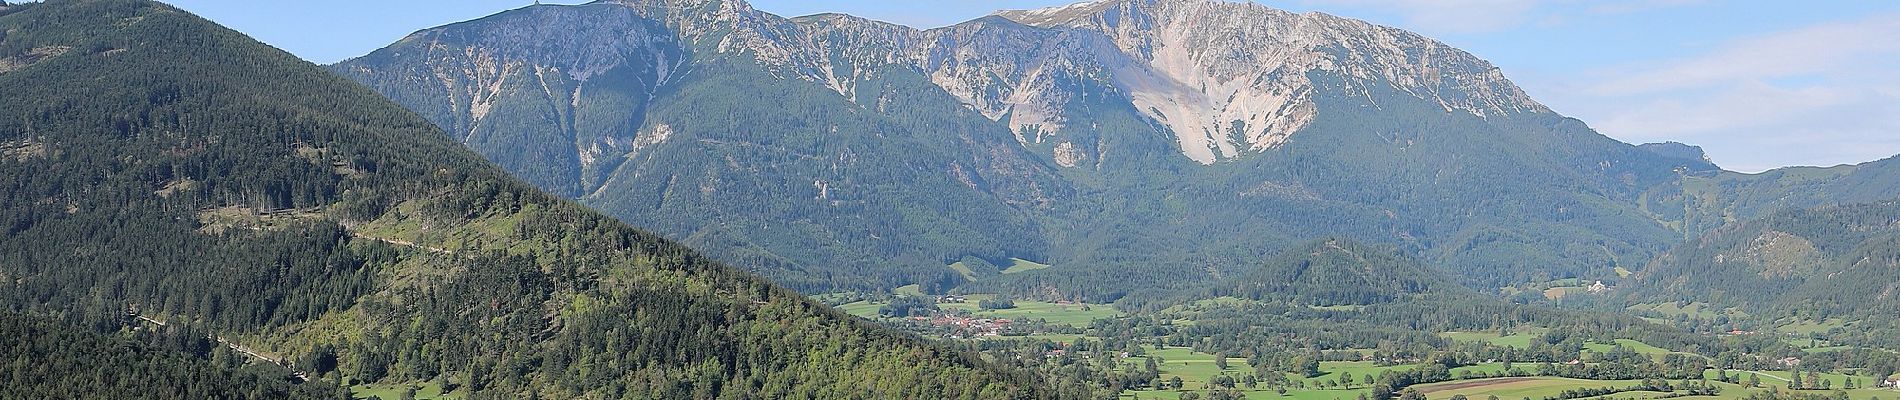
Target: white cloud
1819,95
1448,16
1815,50
1478,16
1635,6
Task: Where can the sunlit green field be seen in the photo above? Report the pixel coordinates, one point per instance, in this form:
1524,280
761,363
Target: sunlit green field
1513,388
394,392
1076,314
1639,347
1018,265
1807,327
1699,310
1072,313
864,309
1519,339
1541,387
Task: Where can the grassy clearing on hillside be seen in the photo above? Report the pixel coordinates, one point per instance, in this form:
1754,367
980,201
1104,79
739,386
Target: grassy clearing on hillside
863,309
427,391
1638,347
1809,327
1561,291
908,290
1020,265
1697,309
1519,339
963,270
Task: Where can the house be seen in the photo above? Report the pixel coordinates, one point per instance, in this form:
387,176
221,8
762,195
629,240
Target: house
1791,362
1599,288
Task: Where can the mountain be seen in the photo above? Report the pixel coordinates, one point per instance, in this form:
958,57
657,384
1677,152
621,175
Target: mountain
1841,260
160,165
1676,150
612,100
1130,144
1706,201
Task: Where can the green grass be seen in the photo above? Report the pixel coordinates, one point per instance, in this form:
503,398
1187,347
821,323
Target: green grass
1638,347
908,290
1073,313
1514,388
1519,339
1018,265
864,309
1196,368
963,270
1261,393
1053,337
424,391
1697,309
1808,327
1561,291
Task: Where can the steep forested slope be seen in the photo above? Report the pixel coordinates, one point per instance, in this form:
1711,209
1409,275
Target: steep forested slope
156,162
47,359
1815,263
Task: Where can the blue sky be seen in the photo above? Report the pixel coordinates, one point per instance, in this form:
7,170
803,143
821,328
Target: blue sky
1759,84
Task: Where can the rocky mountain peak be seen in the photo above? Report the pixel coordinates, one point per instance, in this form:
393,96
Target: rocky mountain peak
1225,79
1228,78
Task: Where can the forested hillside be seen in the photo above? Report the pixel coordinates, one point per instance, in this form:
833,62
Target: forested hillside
1811,264
48,359
1333,272
160,164
1707,201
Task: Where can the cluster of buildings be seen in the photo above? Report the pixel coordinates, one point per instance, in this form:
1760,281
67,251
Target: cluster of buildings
966,326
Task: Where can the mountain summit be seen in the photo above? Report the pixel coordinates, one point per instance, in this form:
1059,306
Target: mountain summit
1157,139
1234,78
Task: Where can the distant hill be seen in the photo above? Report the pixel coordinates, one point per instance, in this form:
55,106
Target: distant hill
1341,272
158,163
1817,262
1704,202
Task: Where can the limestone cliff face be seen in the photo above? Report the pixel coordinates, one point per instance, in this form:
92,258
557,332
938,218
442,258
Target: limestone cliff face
1224,79
556,93
1230,78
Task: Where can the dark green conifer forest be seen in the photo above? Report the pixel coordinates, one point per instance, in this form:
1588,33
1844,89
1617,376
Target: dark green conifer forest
157,163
